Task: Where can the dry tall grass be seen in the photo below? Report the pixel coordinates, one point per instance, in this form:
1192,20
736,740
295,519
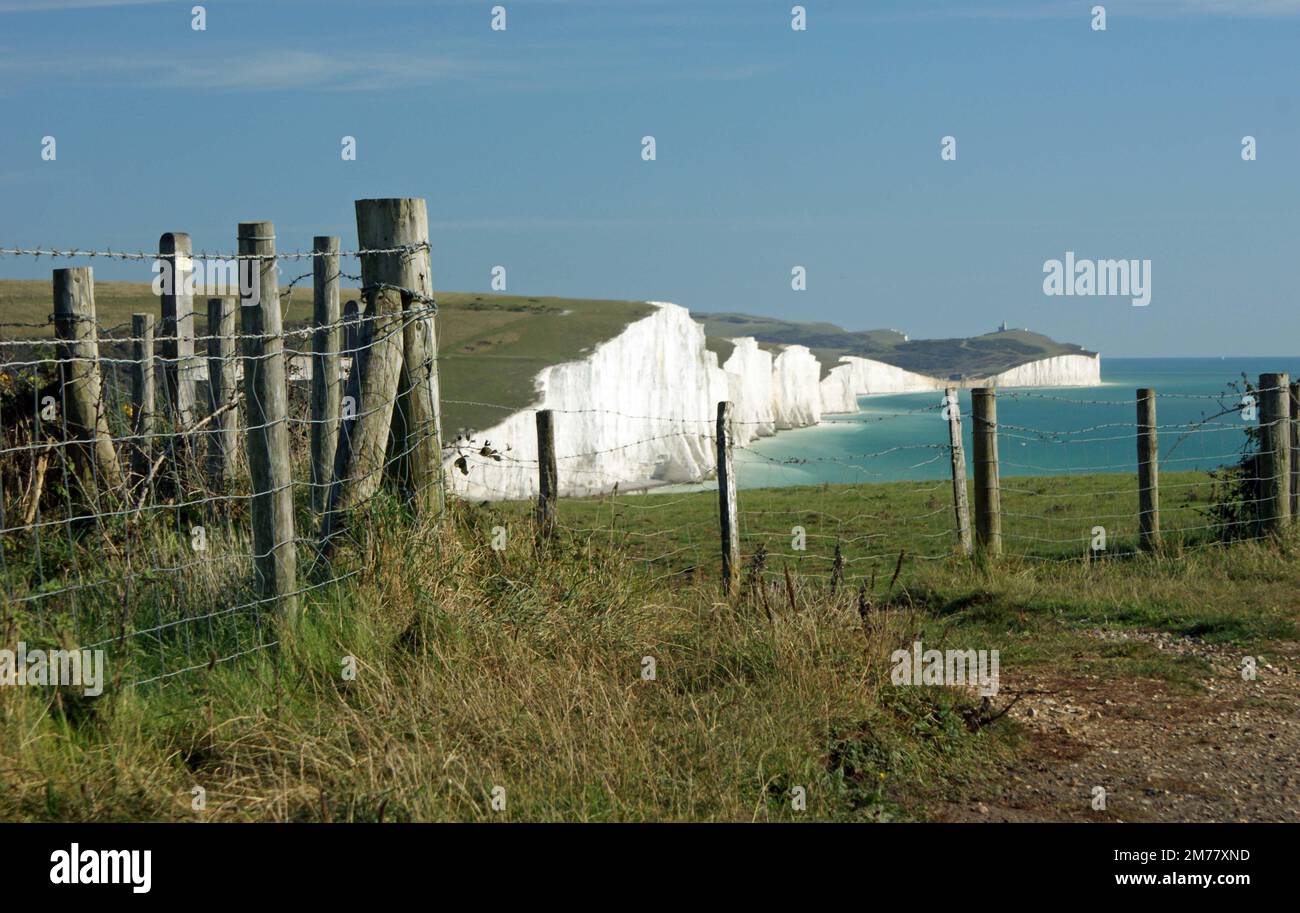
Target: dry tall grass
477,670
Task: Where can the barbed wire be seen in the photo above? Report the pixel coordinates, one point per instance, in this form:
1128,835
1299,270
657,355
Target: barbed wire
152,593
109,254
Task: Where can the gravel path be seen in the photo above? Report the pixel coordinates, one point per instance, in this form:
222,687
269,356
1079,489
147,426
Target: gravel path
1228,753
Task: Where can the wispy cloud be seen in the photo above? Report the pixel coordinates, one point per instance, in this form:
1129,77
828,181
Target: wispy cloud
46,6
1259,8
937,10
274,69
297,69
261,70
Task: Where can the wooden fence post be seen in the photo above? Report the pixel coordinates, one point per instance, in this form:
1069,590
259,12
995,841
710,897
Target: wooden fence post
177,303
727,520
351,328
1295,449
85,415
1148,460
142,395
267,394
369,400
325,387
223,436
988,495
1275,452
961,506
342,492
547,475
417,446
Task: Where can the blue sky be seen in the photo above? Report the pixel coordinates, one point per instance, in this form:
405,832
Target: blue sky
775,148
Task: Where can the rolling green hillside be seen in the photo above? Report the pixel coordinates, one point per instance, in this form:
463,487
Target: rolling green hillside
980,356
492,346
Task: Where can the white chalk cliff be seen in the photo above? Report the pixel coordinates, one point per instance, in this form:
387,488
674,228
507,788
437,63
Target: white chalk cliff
750,376
796,390
640,408
1057,371
854,377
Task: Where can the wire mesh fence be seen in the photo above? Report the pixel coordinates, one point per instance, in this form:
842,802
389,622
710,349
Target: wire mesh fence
1069,492
164,494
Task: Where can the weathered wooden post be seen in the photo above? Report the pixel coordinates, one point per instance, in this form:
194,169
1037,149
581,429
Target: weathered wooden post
343,485
369,398
1295,449
325,386
86,417
351,328
547,475
177,302
223,395
4,521
1275,452
404,278
1148,457
267,394
142,395
988,495
952,410
727,520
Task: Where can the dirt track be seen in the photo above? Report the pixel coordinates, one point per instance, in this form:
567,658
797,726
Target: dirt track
1230,753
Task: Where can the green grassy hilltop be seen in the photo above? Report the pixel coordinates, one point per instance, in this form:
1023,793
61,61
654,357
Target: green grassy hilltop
979,356
491,347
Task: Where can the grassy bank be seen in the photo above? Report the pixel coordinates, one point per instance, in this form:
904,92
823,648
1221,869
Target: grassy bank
491,346
1044,519
477,669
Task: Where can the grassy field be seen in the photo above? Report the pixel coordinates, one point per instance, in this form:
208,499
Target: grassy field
1044,519
490,346
523,670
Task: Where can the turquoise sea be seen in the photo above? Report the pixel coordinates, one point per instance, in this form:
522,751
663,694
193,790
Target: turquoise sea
1043,431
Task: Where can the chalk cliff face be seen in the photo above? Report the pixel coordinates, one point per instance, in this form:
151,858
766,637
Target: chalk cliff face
640,408
1058,371
854,377
796,396
750,373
